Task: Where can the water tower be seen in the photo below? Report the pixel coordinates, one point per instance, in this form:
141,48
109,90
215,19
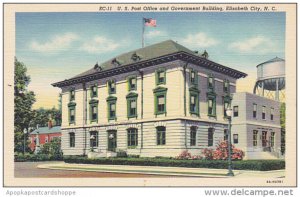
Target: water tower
270,81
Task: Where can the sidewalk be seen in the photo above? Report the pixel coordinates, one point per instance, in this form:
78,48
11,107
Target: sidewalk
167,171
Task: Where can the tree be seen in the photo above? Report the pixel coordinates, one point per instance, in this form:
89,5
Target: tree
23,100
42,116
282,124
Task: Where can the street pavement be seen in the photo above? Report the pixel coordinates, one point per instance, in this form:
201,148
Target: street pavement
31,170
162,171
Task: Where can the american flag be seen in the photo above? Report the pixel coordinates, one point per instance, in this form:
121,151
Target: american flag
150,22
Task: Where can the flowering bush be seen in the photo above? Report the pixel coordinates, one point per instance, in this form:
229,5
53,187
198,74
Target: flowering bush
186,155
221,152
208,153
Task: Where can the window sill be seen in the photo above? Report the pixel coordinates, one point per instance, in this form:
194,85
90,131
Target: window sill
160,113
114,118
132,147
133,116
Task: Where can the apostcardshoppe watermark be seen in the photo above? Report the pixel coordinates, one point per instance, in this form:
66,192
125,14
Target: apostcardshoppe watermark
53,192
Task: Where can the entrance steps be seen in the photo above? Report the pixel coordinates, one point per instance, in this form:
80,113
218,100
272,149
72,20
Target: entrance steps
92,155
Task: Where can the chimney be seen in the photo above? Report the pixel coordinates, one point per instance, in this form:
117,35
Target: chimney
50,124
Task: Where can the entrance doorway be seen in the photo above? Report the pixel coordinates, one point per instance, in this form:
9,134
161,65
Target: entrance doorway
264,138
112,140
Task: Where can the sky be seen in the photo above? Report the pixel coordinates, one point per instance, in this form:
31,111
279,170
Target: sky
57,46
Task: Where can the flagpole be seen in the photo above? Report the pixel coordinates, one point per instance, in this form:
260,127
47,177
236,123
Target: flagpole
143,23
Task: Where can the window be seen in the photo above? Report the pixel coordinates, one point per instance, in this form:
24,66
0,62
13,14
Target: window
255,135
226,86
235,111
272,114
46,139
160,76
72,139
72,108
211,83
264,138
72,95
132,83
194,77
93,139
225,135
193,135
272,139
226,104
94,91
211,107
210,137
112,110
94,110
194,103
111,107
111,87
263,115
235,138
132,106
132,137
161,135
160,94
254,110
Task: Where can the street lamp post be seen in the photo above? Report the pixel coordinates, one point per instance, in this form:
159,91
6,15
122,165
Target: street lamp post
24,146
229,115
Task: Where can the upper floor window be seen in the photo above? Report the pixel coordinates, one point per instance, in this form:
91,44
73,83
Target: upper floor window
212,106
211,82
93,139
94,110
72,139
111,107
132,137
161,135
94,91
160,95
131,105
111,87
226,86
235,111
160,76
194,77
132,83
72,95
254,110
72,108
225,107
193,135
272,114
263,114
194,103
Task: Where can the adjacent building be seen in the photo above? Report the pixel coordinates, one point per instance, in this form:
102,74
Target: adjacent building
256,126
155,101
43,135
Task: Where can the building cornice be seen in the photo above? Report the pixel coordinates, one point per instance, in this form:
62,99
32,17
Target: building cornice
184,56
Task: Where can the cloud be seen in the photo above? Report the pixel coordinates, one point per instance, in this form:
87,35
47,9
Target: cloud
55,44
155,34
199,40
259,44
101,44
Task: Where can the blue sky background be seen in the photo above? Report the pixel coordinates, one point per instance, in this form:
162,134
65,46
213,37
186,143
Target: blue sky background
57,46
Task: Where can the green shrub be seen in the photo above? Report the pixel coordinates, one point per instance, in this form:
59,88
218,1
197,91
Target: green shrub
121,153
262,165
36,157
